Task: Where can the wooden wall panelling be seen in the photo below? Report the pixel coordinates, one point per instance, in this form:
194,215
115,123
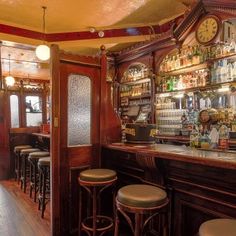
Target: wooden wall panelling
200,193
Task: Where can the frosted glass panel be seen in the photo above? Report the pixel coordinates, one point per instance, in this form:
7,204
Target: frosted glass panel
79,110
14,103
33,110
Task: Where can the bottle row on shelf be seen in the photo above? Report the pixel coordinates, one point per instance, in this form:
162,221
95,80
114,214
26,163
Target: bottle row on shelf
139,102
198,78
223,71
189,56
135,90
135,73
217,137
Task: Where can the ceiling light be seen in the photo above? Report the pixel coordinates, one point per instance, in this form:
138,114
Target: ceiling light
10,81
43,51
101,34
92,30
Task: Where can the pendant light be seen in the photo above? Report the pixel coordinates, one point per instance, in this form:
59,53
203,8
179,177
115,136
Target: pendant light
43,51
10,81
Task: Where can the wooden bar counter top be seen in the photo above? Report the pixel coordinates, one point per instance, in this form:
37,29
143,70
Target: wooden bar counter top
201,184
222,159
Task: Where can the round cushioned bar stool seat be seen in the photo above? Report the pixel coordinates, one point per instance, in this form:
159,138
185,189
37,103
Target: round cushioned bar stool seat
37,155
218,227
98,175
29,150
20,147
141,196
45,161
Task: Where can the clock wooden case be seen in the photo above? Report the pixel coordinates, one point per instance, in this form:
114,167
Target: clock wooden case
208,29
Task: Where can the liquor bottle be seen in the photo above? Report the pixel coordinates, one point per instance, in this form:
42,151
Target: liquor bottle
190,56
194,138
230,72
196,57
213,73
233,124
234,70
205,141
223,137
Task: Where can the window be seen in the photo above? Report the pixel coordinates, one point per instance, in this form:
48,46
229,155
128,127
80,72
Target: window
14,106
79,110
33,106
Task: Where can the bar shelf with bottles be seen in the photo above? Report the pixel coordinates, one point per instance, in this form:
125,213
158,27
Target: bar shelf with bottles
135,91
200,82
198,66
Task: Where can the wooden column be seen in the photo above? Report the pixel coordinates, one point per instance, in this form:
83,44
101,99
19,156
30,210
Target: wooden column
110,125
4,128
55,142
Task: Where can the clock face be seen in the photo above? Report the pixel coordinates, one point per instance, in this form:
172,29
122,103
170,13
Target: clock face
207,30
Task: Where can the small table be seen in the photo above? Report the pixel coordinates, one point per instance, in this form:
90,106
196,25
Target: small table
42,135
42,140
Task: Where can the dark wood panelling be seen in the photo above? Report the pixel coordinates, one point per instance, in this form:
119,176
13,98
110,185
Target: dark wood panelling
197,192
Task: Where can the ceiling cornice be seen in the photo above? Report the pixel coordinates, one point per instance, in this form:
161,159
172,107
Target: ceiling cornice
73,36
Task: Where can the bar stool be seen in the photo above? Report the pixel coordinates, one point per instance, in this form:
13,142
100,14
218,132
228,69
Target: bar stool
44,183
94,181
24,153
218,227
17,150
143,202
33,170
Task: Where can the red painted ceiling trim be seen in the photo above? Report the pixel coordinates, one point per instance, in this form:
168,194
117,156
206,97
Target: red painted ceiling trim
7,29
68,36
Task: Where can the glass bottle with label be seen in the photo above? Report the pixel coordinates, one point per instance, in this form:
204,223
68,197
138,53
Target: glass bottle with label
223,137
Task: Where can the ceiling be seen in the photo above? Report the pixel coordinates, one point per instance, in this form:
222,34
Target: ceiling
120,20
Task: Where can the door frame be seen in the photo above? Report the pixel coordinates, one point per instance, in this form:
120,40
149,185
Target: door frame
61,166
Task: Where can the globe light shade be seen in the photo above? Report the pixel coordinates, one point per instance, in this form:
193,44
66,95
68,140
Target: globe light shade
43,52
10,81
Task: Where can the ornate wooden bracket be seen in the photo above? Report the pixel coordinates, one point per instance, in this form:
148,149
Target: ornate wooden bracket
152,172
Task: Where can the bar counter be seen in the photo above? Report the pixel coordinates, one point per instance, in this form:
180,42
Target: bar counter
222,159
201,184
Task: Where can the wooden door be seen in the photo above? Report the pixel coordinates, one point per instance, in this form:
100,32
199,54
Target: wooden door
75,132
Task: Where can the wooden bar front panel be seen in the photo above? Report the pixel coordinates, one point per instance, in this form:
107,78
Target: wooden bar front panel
197,192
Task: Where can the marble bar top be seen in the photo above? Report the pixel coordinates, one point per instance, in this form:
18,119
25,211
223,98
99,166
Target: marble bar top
222,159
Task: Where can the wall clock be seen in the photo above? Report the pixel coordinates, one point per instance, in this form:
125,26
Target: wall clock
208,29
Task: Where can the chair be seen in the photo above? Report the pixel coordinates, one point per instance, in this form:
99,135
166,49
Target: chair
139,204
33,171
95,181
218,227
44,183
24,153
17,150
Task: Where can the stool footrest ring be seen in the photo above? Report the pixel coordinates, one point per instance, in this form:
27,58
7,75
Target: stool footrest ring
102,223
